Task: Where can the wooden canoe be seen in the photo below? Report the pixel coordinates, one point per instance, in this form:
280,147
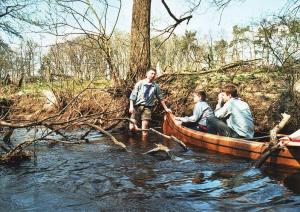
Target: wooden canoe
289,156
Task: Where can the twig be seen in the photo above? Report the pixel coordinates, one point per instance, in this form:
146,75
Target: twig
56,131
65,142
115,141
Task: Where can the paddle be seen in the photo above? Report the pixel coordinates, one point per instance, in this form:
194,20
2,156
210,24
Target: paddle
270,149
274,143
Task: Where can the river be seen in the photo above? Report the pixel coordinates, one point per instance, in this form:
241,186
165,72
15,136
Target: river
100,177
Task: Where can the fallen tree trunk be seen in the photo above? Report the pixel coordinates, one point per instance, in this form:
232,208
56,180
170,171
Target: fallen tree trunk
223,68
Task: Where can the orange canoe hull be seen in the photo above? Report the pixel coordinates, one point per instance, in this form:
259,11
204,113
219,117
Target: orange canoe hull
289,156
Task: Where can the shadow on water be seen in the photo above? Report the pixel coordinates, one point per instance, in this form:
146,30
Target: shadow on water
99,176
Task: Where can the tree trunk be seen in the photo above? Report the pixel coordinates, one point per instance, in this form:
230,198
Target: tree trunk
140,40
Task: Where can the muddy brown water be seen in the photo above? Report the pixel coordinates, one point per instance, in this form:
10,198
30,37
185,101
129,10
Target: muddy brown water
100,177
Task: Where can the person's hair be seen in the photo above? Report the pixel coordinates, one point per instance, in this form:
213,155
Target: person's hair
231,89
152,69
201,94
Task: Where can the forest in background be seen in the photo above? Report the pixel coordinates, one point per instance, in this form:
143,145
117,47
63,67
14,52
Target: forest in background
273,43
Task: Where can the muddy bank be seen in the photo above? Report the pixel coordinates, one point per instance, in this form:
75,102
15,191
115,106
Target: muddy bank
33,106
265,90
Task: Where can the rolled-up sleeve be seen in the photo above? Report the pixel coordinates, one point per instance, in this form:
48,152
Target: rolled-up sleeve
192,118
223,111
134,92
197,113
159,94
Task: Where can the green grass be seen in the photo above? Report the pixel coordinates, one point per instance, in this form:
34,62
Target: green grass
70,85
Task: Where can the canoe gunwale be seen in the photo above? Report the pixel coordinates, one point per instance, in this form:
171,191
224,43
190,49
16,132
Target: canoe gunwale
290,155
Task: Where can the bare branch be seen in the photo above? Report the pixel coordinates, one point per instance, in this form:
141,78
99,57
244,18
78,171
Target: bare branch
115,141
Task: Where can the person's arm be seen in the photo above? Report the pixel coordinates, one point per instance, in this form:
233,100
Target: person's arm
220,100
131,108
165,106
197,113
223,111
159,96
133,97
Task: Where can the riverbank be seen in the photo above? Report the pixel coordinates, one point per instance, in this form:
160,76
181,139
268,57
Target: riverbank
266,90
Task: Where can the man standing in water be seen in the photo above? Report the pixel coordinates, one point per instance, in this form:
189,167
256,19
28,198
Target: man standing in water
142,100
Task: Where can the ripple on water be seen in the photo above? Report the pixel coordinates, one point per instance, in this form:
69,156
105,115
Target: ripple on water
99,176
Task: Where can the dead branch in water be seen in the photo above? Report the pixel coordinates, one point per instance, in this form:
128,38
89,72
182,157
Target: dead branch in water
171,138
72,116
56,141
19,149
159,148
114,140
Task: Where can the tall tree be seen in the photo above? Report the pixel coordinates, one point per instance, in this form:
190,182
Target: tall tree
140,34
140,39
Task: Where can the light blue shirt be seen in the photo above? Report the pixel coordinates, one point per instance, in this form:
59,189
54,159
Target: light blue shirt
200,113
239,117
137,94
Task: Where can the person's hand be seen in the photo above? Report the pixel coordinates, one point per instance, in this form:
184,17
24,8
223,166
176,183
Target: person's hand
131,110
221,97
168,110
178,120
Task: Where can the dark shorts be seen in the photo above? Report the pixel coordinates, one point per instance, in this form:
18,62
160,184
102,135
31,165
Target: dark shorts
141,112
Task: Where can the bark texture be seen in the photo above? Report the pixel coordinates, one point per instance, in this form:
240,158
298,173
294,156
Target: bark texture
140,40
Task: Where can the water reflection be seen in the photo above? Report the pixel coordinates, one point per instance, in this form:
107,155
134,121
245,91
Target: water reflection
99,176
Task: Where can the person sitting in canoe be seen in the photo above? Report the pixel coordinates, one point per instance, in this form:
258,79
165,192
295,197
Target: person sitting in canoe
200,113
237,113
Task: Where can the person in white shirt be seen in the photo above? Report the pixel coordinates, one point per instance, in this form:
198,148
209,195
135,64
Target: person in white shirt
200,113
237,113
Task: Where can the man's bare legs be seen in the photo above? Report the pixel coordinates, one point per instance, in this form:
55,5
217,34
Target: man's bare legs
145,125
132,126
